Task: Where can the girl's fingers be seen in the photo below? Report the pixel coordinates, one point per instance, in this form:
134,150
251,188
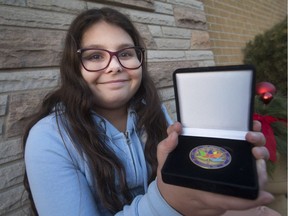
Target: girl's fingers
256,138
261,152
176,127
257,126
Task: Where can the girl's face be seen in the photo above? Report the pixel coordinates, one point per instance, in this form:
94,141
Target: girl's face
113,86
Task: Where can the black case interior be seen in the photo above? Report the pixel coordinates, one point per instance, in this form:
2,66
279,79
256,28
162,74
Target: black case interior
214,106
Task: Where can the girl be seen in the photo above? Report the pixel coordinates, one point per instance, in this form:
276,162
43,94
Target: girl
92,149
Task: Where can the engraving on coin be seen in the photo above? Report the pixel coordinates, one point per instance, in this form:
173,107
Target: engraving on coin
210,157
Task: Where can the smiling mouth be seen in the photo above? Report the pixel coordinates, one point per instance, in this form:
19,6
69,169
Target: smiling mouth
113,81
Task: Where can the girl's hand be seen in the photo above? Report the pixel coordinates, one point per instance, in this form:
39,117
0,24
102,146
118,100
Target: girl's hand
201,203
259,151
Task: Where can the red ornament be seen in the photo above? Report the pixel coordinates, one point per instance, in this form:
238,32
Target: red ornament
266,91
263,87
266,97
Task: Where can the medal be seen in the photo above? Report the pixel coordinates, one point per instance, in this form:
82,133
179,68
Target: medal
210,157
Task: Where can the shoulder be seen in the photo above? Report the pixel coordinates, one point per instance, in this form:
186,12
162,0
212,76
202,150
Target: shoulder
47,138
45,123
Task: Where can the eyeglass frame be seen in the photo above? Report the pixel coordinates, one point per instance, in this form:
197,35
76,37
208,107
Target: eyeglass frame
142,50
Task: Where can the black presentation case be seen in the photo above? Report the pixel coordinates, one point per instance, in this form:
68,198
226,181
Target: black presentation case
215,107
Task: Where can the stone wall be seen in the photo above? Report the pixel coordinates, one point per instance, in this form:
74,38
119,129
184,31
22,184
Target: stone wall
233,23
32,33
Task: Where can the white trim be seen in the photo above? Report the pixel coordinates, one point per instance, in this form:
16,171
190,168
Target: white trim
214,133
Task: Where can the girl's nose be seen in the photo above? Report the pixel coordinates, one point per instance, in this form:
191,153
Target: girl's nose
114,65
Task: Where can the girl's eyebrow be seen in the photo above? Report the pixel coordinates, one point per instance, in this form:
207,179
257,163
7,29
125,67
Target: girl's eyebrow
99,46
126,45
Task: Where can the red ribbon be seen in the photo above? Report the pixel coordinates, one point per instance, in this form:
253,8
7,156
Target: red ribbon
268,133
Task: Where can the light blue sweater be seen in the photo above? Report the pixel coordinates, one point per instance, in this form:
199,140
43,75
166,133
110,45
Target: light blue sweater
61,181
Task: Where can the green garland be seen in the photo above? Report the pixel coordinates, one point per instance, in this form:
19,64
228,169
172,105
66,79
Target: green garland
277,108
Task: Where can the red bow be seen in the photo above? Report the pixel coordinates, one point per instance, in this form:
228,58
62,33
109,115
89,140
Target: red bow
268,133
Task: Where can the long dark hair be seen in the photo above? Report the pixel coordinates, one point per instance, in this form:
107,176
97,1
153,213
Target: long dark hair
75,95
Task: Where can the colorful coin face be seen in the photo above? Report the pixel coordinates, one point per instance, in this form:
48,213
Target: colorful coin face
210,157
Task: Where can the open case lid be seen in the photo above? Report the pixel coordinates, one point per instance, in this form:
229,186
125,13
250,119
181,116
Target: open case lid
215,101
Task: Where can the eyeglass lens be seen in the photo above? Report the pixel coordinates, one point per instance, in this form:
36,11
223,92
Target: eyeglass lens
98,59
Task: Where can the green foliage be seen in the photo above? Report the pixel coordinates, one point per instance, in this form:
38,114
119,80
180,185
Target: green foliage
278,109
268,53
280,132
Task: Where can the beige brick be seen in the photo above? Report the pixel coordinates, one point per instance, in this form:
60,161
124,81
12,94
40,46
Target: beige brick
218,51
238,58
208,9
214,35
211,18
221,6
238,15
221,58
215,27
